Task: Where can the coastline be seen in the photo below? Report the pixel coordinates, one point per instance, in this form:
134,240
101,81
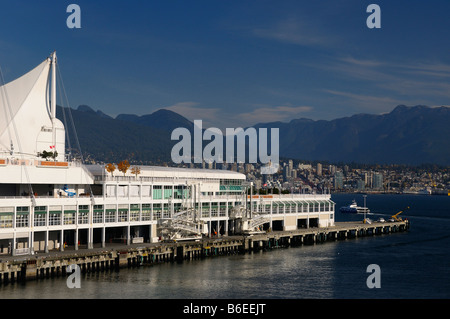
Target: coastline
117,256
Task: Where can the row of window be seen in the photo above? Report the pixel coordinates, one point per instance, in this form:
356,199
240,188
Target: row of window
57,218
286,208
135,213
165,192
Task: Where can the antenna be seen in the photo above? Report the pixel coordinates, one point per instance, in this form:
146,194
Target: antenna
53,98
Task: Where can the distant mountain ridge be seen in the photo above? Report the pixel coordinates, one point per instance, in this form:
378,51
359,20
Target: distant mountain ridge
406,135
106,139
162,119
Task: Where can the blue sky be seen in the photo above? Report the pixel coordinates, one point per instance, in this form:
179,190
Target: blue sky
236,63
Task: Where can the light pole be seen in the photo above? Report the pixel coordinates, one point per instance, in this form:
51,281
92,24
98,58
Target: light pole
364,207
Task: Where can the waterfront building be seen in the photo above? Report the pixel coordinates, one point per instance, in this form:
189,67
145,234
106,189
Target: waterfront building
360,185
48,201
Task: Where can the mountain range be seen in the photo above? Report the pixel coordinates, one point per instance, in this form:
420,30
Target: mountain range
407,135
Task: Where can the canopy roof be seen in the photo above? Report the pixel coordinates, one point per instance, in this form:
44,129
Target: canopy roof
26,125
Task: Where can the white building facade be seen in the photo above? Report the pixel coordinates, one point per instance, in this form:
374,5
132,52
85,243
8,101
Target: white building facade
58,204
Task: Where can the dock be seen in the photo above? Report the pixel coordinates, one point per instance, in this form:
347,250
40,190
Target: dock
115,257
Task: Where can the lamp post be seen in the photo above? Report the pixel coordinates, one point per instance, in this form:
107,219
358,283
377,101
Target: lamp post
364,207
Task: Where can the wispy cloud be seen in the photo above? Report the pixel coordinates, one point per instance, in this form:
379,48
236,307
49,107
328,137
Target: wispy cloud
292,31
383,70
382,84
272,114
368,103
438,69
192,111
295,30
222,118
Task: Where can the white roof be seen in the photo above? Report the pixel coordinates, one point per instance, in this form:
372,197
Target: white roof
25,117
173,172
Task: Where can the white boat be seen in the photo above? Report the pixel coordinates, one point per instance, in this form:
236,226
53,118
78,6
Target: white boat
353,208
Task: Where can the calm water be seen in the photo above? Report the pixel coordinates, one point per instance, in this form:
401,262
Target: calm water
413,265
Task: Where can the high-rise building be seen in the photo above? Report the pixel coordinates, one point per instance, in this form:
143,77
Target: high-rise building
332,169
304,166
338,180
377,180
319,169
360,185
294,173
286,173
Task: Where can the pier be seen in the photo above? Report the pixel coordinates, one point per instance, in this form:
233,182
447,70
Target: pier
115,257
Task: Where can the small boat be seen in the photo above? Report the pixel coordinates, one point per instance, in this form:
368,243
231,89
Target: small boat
353,208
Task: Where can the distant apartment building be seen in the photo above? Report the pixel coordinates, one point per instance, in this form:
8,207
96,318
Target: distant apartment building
377,181
338,180
319,169
360,185
304,166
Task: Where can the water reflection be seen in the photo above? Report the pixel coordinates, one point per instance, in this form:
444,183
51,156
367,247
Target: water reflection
303,272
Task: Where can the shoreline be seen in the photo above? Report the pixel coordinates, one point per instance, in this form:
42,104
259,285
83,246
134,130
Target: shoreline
117,256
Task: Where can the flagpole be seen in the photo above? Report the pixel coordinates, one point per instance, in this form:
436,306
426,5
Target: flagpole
53,101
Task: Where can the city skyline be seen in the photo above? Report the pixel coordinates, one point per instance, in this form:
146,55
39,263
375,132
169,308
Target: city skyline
237,63
297,176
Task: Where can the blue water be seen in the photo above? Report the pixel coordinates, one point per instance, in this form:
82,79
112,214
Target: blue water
414,264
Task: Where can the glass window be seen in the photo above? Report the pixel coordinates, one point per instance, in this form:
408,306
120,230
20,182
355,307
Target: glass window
40,209
166,211
157,192
69,218
97,217
134,216
156,211
110,216
54,218
146,215
22,220
122,215
83,218
39,219
6,220
205,209
167,192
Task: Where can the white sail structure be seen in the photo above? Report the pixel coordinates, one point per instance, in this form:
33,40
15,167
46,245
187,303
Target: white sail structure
28,123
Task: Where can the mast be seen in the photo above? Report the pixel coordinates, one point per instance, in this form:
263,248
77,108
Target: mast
53,98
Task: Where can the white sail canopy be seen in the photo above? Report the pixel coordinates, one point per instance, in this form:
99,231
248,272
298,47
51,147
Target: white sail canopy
26,125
